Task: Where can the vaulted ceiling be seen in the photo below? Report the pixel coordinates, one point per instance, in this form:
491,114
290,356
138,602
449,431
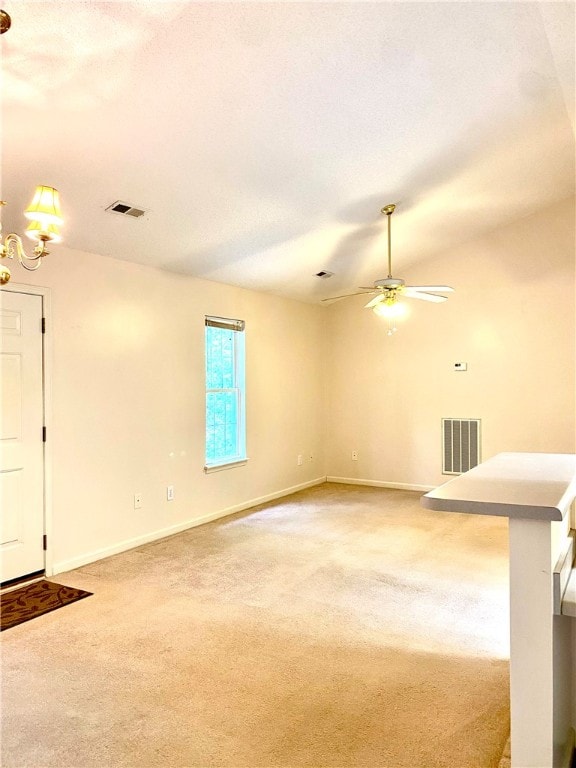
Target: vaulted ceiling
262,139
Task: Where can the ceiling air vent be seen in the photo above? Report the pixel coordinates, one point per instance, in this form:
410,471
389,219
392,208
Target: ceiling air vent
125,209
324,275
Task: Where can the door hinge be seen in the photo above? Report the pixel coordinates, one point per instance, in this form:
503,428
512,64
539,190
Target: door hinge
43,325
44,542
43,434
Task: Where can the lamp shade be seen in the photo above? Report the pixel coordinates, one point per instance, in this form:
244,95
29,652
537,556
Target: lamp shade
41,230
45,207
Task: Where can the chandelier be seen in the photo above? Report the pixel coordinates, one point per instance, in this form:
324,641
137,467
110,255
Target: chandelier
45,220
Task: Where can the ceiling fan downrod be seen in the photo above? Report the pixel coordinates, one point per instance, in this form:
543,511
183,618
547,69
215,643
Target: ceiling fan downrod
389,210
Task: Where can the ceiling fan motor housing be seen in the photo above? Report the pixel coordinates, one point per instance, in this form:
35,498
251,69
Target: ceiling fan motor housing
389,282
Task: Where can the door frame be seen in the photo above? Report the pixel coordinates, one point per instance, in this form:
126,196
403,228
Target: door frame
47,341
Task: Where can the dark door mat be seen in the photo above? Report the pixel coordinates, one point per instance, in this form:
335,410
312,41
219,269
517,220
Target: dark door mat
25,603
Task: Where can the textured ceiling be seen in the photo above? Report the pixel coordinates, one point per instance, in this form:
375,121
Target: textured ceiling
262,139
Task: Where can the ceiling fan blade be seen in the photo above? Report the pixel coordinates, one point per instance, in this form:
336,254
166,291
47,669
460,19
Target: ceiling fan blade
443,288
374,302
411,294
346,295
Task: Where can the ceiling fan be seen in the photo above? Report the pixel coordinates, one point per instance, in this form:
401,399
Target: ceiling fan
390,289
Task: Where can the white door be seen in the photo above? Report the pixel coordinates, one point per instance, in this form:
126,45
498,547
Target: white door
21,439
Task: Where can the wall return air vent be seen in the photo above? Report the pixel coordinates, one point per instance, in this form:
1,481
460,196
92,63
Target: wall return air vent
460,445
125,210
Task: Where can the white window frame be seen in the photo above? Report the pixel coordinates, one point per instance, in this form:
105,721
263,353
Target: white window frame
238,327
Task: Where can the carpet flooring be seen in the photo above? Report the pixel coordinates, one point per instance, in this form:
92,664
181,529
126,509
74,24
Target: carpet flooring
33,600
340,627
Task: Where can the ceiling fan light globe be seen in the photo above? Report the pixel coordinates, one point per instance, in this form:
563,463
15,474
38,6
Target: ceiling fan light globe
390,309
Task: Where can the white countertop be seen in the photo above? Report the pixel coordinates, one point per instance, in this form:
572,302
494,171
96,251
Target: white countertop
537,486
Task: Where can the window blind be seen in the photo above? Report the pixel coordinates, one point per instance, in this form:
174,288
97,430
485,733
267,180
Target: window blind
225,322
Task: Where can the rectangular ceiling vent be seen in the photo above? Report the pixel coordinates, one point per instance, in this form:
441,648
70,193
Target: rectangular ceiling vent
324,274
460,445
125,209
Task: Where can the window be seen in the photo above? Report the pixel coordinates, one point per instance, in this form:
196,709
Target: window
225,421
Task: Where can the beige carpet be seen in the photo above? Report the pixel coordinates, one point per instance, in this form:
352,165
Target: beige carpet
341,626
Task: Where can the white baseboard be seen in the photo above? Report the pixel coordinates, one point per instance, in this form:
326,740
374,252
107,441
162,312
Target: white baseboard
381,484
137,541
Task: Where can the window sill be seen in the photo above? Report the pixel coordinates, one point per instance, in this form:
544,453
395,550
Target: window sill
209,468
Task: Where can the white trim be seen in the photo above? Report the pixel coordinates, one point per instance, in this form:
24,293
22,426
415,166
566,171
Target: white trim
137,541
381,484
209,468
47,342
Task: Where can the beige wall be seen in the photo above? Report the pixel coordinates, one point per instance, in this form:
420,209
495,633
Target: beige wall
128,400
128,382
511,319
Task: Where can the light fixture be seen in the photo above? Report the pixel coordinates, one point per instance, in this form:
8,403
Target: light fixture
391,310
389,289
45,219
